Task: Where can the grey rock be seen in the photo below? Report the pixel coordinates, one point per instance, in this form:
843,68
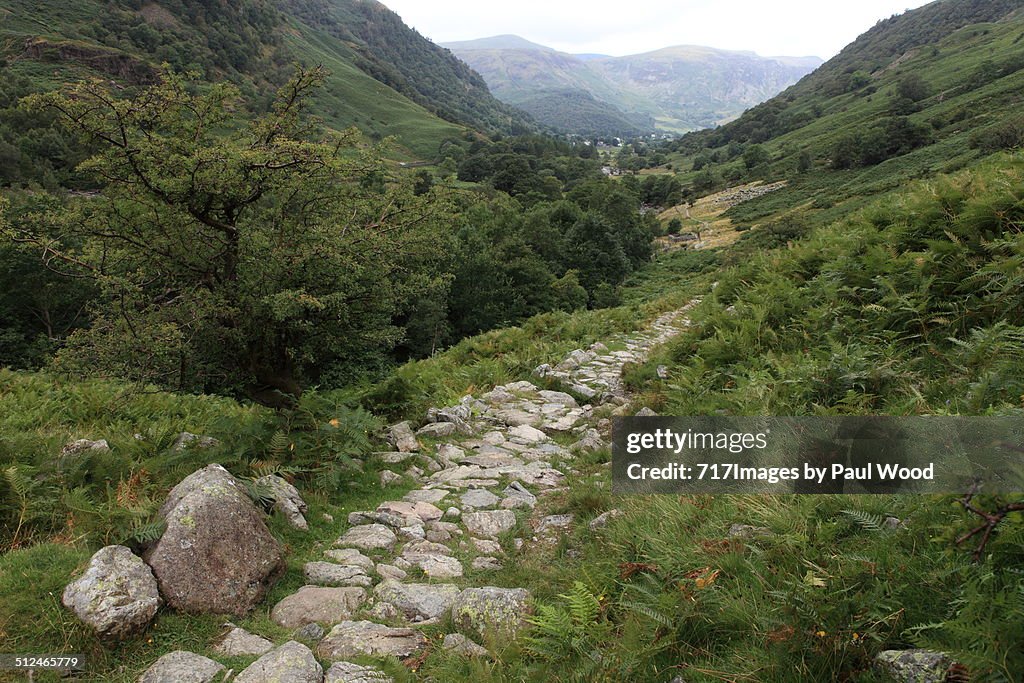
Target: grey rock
187,440
479,498
913,666
542,370
646,412
554,522
317,604
292,662
81,446
410,513
216,554
590,442
400,436
389,571
894,523
347,672
448,455
517,491
353,638
117,595
238,642
464,646
601,521
663,372
487,547
491,564
387,478
527,434
330,574
437,430
489,523
287,500
393,457
418,601
369,537
432,496
748,532
311,633
452,513
481,611
349,556
384,611
182,667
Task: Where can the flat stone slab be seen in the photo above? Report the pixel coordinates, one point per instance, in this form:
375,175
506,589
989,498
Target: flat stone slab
182,667
412,513
418,601
489,523
354,638
350,557
239,642
293,662
369,537
478,499
317,604
432,496
484,610
347,672
330,574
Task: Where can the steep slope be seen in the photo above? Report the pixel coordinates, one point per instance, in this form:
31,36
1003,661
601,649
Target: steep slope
424,98
681,88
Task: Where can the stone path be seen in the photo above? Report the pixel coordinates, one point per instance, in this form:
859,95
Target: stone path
403,564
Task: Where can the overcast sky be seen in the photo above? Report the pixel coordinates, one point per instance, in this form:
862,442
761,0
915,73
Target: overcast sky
768,27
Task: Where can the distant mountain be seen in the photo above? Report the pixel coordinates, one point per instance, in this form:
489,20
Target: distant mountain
674,89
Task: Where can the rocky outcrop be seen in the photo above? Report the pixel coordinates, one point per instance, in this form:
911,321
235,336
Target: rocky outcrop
112,62
216,555
117,595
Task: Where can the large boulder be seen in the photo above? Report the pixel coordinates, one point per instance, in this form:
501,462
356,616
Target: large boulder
481,611
354,638
117,595
317,604
293,662
182,667
217,555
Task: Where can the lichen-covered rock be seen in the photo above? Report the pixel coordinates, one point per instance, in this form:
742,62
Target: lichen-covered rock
80,446
187,440
239,642
476,499
489,523
216,555
182,667
117,595
401,437
287,500
347,672
602,520
418,601
369,537
456,642
590,441
353,638
437,430
350,557
481,611
410,513
913,666
292,662
317,604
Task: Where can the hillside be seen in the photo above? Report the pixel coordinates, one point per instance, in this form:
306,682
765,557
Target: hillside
679,88
423,96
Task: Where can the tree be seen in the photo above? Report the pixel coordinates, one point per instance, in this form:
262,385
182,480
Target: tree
232,257
754,156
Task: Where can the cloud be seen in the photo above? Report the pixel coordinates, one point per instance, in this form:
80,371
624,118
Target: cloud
784,27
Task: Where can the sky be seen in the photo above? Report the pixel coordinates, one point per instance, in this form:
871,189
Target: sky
794,28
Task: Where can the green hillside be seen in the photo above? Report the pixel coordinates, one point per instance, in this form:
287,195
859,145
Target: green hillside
253,44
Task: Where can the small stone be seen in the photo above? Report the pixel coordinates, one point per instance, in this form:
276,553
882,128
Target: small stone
590,442
317,604
369,537
292,662
452,513
553,522
239,642
84,446
489,524
287,500
311,633
389,571
493,438
748,532
894,523
601,521
117,595
646,412
186,440
387,478
487,547
464,646
448,455
347,672
354,638
437,430
485,563
411,513
330,574
401,437
479,498
384,611
432,496
182,667
914,666
527,434
663,372
392,457
349,556
418,601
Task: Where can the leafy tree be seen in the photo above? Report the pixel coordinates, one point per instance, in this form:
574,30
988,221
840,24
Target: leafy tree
754,156
244,258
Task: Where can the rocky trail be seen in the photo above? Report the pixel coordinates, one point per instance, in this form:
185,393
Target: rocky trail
404,564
